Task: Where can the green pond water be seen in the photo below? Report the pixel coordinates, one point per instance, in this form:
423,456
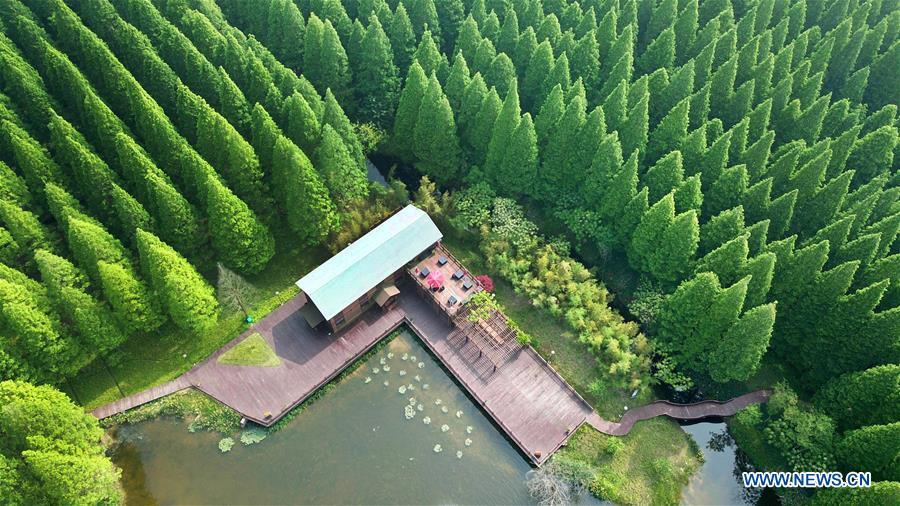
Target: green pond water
354,445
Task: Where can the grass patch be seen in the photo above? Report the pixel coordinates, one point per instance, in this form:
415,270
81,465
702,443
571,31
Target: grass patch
252,351
648,466
147,360
201,411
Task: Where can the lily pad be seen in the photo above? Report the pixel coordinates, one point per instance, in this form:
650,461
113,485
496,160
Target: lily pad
468,429
459,414
225,444
368,379
409,412
387,368
402,389
438,448
445,428
376,370
444,409
438,402
421,365
468,442
402,373
426,420
458,454
425,386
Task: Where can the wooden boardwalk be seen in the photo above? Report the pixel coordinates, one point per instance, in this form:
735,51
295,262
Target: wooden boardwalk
141,398
536,409
695,411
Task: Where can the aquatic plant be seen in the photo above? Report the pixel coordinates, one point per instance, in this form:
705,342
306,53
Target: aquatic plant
438,448
421,365
405,356
468,429
402,389
386,383
445,428
253,435
410,387
412,358
402,372
458,454
387,368
426,420
468,442
382,361
425,386
459,414
226,444
376,370
438,402
409,412
412,401
391,354
420,407
417,377
444,409
368,380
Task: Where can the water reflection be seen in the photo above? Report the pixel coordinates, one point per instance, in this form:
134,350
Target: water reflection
717,481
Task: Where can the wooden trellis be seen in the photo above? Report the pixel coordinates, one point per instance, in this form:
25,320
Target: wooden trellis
494,341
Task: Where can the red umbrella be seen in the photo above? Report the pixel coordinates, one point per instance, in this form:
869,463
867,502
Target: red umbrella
435,279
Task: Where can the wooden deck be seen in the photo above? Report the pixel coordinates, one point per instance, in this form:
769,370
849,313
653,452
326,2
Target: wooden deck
525,397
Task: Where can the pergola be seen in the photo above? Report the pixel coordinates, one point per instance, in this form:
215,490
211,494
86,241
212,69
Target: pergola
492,340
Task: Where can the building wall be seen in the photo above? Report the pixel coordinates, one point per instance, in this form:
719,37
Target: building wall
360,305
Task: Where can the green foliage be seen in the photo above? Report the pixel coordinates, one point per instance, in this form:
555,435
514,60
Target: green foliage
186,296
54,448
869,397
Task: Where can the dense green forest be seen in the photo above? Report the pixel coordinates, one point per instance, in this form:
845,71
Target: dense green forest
733,158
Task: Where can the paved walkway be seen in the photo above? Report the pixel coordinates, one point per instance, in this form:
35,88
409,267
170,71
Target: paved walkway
525,397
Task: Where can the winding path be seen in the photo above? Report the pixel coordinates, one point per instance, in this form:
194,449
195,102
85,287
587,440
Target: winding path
695,411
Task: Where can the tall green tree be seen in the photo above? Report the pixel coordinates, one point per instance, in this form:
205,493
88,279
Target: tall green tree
302,194
436,139
188,299
239,238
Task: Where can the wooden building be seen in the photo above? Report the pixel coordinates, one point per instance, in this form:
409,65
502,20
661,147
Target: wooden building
365,273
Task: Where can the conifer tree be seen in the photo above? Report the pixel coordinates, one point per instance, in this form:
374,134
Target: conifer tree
135,307
457,82
176,220
13,188
325,60
436,140
647,234
92,321
873,448
300,125
517,173
24,227
665,176
340,172
424,17
238,237
502,132
451,14
860,398
672,261
377,81
539,67
551,112
739,354
670,132
188,299
41,343
408,110
403,38
302,194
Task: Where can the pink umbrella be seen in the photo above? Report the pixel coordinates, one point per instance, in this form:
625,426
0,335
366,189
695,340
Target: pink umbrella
435,279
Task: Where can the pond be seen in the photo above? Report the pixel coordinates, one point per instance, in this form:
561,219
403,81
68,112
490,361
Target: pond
716,482
365,442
